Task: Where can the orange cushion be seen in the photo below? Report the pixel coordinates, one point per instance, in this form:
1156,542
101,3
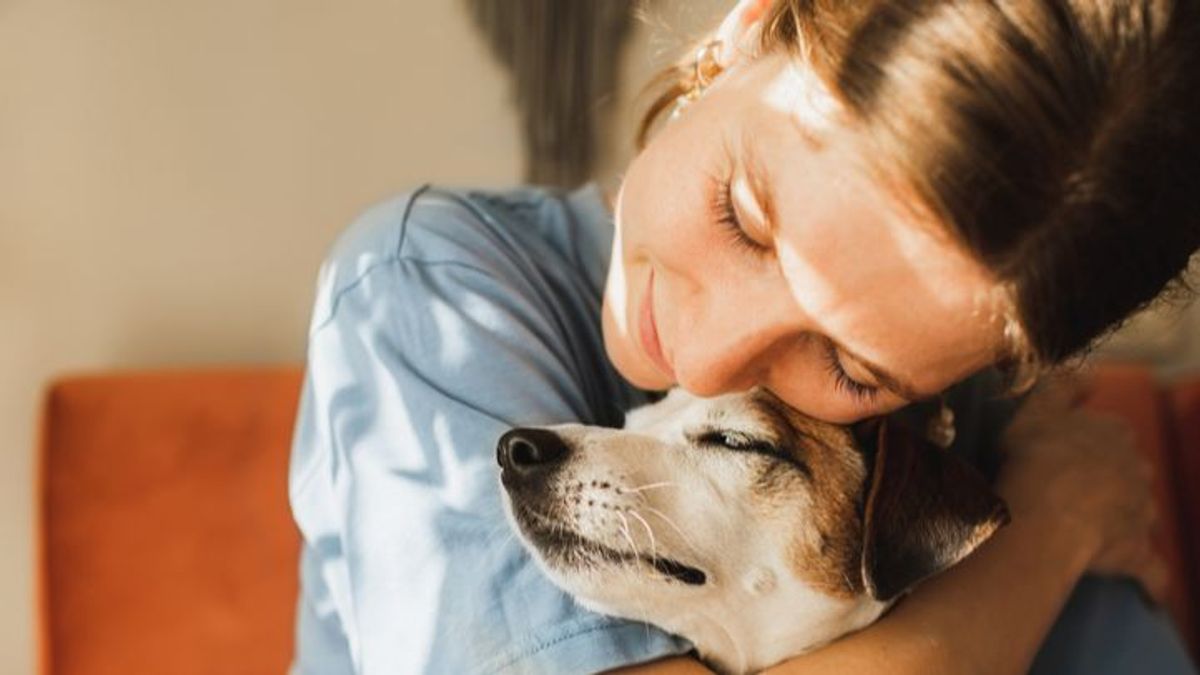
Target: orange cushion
166,540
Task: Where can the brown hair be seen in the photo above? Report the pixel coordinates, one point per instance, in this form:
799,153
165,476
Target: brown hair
1058,140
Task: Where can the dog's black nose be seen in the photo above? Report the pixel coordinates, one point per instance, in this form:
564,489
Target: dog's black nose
530,451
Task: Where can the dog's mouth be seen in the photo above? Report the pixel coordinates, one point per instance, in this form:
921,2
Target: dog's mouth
560,545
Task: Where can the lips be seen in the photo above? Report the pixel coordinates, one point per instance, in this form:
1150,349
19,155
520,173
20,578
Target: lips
648,331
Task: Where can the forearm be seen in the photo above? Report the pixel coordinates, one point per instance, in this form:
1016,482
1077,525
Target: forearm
988,615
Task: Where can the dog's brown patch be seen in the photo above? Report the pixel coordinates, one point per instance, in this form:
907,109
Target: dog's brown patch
827,545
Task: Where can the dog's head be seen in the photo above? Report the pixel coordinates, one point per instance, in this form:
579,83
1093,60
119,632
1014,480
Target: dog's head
739,523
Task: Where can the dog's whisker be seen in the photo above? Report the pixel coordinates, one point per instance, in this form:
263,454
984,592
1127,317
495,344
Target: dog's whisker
645,616
628,535
649,532
682,535
648,486
634,568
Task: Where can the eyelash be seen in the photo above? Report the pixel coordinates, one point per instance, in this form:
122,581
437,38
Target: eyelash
726,216
842,379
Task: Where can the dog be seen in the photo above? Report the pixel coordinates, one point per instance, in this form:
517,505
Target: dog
748,528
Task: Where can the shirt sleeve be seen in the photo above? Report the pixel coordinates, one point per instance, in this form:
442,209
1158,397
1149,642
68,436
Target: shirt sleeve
424,350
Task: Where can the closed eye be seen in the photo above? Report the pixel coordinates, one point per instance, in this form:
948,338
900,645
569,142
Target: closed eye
724,213
739,441
736,440
842,380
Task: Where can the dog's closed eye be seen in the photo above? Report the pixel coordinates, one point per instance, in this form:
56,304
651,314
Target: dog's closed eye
736,440
740,441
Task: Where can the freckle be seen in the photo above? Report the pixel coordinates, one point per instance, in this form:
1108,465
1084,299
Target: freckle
591,502
604,486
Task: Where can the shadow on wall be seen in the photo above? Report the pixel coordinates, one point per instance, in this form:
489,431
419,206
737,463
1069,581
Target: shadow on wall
562,59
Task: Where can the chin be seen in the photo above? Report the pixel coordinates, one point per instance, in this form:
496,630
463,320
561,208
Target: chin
642,376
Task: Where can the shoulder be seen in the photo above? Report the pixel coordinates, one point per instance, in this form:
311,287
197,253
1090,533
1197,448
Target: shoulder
509,236
446,317
423,228
503,287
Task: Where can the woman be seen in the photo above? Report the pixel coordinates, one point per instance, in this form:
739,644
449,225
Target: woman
858,205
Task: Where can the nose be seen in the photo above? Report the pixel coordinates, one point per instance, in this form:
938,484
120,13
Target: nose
526,453
732,349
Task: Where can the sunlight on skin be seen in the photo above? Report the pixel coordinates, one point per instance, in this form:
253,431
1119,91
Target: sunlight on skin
845,263
799,94
932,287
615,311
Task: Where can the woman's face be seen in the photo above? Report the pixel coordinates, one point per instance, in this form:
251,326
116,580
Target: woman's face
753,248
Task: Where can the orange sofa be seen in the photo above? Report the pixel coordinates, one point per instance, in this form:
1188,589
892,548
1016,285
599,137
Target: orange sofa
166,545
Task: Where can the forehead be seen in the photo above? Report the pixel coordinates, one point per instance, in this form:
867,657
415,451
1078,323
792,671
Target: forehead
860,264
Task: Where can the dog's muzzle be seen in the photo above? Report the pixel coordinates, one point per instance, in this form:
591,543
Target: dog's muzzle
529,456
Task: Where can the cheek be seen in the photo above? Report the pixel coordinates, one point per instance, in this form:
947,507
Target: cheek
663,213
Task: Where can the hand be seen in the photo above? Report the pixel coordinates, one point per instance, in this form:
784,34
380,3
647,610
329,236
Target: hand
1082,470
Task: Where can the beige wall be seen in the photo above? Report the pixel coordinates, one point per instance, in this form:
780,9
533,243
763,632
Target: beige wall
172,172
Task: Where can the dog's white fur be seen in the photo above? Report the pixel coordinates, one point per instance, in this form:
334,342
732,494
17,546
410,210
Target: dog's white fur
661,489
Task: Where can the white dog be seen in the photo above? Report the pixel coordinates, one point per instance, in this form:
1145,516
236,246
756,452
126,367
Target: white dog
754,531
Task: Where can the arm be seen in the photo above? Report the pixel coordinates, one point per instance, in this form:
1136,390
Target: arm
987,615
937,628
423,351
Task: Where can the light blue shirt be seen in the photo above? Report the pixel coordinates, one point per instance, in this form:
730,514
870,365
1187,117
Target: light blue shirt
442,319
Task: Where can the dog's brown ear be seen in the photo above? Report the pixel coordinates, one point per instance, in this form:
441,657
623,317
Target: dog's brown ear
926,509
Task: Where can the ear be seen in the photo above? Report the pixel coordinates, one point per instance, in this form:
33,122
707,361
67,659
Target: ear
926,510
